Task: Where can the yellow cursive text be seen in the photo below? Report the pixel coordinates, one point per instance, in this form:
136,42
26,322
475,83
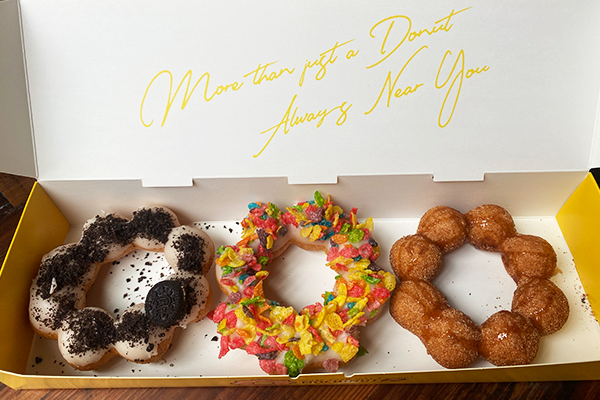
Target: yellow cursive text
454,89
260,73
188,93
327,57
391,87
441,25
290,119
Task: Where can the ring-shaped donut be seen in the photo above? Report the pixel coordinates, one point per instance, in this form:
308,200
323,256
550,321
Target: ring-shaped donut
324,334
88,337
453,340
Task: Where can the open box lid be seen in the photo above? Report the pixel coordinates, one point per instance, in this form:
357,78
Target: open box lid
16,151
311,91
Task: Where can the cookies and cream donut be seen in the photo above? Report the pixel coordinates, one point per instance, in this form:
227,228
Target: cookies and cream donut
88,336
323,334
512,337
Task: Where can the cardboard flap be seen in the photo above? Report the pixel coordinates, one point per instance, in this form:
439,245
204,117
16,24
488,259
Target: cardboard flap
310,91
16,152
595,156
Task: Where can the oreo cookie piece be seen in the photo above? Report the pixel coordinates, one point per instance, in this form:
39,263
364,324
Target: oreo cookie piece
165,303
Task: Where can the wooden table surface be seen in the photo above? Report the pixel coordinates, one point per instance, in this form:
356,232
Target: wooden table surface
13,195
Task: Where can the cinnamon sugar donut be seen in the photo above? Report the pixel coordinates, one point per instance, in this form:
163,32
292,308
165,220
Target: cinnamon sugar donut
489,225
543,303
528,256
452,339
443,226
509,338
415,257
414,303
88,337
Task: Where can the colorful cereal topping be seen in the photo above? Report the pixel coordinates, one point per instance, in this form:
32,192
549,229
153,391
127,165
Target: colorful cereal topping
283,339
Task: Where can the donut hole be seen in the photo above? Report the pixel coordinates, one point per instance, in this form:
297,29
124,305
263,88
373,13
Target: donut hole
298,278
461,281
127,281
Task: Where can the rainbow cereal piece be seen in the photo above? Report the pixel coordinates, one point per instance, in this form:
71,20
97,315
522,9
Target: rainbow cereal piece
322,334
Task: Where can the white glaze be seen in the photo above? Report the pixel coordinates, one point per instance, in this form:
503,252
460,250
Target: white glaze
173,254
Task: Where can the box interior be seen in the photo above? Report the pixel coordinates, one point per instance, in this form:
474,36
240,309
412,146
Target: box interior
473,281
385,196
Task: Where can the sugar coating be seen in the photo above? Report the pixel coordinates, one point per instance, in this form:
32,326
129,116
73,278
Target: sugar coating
489,225
509,338
414,303
443,226
452,339
415,257
528,256
543,303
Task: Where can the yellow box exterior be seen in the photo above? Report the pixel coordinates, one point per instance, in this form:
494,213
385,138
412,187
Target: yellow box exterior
43,227
526,373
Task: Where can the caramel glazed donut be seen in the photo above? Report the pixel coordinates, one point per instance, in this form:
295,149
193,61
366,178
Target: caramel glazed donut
322,335
88,337
539,307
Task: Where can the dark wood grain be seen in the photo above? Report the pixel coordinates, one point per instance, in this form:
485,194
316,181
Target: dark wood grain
14,191
13,195
508,391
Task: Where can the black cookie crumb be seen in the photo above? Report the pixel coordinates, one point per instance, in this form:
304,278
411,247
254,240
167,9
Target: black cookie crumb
92,330
133,328
102,233
64,269
192,250
152,224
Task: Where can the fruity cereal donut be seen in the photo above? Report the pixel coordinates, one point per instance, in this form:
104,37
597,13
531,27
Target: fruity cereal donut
321,335
88,337
452,339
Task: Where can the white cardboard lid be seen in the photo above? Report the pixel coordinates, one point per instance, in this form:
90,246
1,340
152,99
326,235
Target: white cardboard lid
16,151
98,72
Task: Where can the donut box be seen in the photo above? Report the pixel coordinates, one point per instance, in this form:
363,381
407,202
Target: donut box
392,108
